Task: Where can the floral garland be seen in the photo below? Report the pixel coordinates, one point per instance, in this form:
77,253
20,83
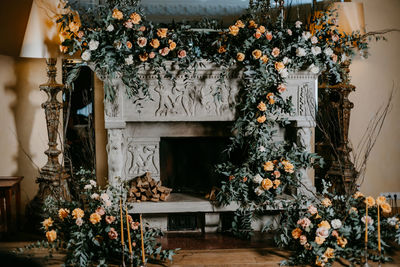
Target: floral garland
119,42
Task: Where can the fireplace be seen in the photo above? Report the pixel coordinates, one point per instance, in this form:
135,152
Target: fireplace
180,134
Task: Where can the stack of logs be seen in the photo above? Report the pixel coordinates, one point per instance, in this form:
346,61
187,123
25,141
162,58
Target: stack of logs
144,188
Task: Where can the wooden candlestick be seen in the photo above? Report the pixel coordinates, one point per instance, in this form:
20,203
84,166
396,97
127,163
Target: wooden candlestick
122,233
141,235
129,232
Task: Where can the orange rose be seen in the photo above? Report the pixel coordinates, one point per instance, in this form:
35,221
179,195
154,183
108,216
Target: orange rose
143,57
135,17
239,24
129,44
341,241
287,166
270,97
261,119
268,166
77,213
326,202
264,59
48,223
252,24
63,213
51,235
319,240
329,253
266,184
279,66
256,54
324,224
221,49
117,14
233,30
370,201
261,29
380,200
257,35
296,233
172,45
386,208
162,32
276,183
95,218
261,106
240,56
155,43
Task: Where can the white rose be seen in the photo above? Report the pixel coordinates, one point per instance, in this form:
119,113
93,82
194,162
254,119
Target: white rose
88,187
262,149
110,28
93,44
316,50
284,73
95,196
298,24
257,179
258,190
322,232
129,60
314,69
328,51
336,224
314,40
79,221
300,52
86,55
369,220
286,60
93,183
306,35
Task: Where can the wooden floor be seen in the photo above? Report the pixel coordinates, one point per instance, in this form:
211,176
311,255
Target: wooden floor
252,255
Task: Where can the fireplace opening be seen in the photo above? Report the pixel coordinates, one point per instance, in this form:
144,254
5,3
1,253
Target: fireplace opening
188,164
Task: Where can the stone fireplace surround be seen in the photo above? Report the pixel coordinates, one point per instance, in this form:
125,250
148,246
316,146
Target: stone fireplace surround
189,110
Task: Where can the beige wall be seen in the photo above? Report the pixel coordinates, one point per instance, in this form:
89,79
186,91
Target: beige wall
374,78
23,134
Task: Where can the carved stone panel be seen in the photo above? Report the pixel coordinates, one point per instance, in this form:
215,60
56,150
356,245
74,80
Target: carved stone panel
143,155
115,153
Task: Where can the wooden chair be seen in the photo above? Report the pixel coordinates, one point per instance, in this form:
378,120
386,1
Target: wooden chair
9,186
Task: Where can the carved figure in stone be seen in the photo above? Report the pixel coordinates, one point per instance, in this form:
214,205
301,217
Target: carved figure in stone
115,155
304,140
142,158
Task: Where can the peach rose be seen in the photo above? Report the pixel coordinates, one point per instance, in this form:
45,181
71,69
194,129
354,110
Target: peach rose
268,166
261,106
380,200
281,88
128,24
143,57
287,166
266,184
135,225
142,28
74,26
303,240
264,59
155,43
270,97
51,235
296,233
77,213
261,29
319,240
312,210
112,234
324,224
304,222
48,223
172,45
152,55
252,24
221,49
326,202
95,218
239,24
329,253
341,241
335,233
279,66
63,213
100,211
142,41
240,56
261,119
110,219
162,32
275,52
370,201
257,34
358,194
129,44
233,30
277,174
164,51
322,232
182,53
117,14
268,35
386,208
136,18
276,183
256,54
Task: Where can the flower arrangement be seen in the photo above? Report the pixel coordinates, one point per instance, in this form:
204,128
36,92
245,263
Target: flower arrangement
334,228
90,230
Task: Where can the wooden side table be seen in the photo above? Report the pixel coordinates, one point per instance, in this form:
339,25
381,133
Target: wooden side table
9,186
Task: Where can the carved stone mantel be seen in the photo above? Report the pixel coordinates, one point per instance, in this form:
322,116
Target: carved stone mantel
187,110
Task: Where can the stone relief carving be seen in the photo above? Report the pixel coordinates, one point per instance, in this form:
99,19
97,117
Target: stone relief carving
115,153
304,137
142,156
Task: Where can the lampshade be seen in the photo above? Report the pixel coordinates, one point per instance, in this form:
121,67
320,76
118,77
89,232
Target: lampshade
350,17
41,36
